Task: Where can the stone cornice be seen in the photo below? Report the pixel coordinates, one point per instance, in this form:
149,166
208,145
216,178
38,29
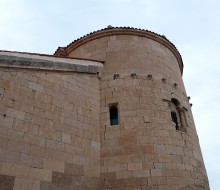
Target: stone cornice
29,61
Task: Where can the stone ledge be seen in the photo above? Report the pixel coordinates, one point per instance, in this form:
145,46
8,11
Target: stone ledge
43,62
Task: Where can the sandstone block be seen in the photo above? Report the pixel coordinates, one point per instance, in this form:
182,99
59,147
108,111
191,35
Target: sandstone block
179,180
9,156
41,151
6,182
26,184
18,145
147,149
141,173
25,126
18,114
123,175
34,140
14,170
56,145
155,172
127,137
135,166
49,133
53,165
66,138
148,166
6,121
35,86
157,181
40,174
74,169
63,156
32,161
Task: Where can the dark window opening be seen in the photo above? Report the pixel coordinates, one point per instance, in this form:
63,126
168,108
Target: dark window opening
175,119
113,115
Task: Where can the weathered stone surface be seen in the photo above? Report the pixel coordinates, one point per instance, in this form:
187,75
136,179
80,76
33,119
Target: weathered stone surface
55,117
7,182
26,184
40,174
14,170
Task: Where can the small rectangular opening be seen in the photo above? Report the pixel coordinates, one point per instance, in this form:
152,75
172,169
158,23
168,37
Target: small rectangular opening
113,113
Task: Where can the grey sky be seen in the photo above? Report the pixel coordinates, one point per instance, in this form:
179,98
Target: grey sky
192,25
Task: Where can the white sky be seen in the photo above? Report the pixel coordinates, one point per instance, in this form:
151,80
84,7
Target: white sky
192,25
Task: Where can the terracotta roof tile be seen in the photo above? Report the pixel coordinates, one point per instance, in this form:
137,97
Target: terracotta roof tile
114,28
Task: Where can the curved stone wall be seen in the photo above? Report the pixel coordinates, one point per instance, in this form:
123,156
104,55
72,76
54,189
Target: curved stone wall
143,77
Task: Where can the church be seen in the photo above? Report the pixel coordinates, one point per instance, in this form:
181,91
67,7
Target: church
107,112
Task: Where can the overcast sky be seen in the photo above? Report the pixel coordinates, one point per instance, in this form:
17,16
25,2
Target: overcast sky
192,25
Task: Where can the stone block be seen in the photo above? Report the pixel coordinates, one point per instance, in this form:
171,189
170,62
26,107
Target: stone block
147,149
146,119
35,119
159,149
159,165
74,169
141,173
49,133
127,137
124,175
18,114
155,172
66,138
53,165
41,151
179,181
26,184
6,121
25,126
18,146
56,145
35,86
34,140
5,84
135,166
45,185
32,161
157,181
7,182
14,170
95,145
40,174
3,142
61,179
62,156
171,166
92,171
148,165
9,155
147,140
11,134
164,158
133,149
23,107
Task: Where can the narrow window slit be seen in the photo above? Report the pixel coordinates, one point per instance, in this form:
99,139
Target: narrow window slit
113,110
175,119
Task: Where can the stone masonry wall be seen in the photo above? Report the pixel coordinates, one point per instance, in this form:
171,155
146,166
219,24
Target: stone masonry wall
145,151
49,130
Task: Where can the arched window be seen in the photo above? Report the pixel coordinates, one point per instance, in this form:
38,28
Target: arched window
175,114
178,115
113,110
175,119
